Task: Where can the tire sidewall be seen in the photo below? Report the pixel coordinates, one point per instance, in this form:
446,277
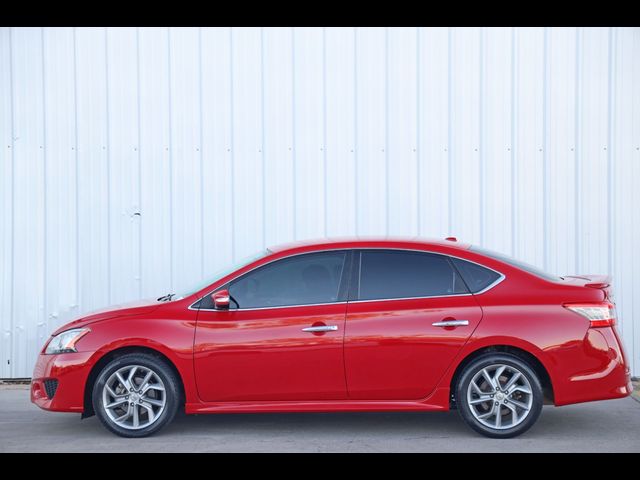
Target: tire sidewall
165,373
483,362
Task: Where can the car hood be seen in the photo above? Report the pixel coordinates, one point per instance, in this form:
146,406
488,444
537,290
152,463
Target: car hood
123,310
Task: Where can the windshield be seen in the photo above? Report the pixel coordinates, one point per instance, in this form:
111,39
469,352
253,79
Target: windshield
223,272
516,263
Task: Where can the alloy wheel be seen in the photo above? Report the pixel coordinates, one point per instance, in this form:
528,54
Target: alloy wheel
500,396
134,397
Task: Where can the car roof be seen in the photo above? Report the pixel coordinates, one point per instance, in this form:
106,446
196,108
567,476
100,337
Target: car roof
368,242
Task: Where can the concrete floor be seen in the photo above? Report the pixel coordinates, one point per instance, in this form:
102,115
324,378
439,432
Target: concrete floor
611,426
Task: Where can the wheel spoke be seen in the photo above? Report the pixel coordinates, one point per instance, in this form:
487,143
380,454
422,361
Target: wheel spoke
519,404
496,377
476,388
132,372
116,403
124,417
498,423
149,409
514,412
153,401
136,419
489,413
520,388
481,399
122,381
146,379
512,380
488,378
112,392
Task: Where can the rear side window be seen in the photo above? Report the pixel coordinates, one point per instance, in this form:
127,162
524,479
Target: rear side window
386,274
475,276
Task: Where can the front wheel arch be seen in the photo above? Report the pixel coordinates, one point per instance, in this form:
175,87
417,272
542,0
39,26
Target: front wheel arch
528,357
108,357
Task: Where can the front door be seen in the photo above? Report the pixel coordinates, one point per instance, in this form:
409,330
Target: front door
281,339
397,342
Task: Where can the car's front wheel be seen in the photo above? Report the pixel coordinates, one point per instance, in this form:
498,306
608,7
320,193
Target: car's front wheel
136,395
499,395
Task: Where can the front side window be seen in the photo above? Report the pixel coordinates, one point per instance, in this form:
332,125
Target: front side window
300,280
387,274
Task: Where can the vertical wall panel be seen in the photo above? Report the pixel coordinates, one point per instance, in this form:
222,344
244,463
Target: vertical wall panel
217,187
310,167
401,131
155,161
134,162
340,130
495,138
371,131
464,138
561,149
6,205
433,131
528,235
61,181
247,159
593,157
29,195
278,115
186,156
124,164
93,168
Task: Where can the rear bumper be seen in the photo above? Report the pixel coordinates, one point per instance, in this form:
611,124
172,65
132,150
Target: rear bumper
71,371
611,379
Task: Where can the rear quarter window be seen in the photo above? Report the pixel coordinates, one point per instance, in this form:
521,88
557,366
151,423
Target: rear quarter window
475,276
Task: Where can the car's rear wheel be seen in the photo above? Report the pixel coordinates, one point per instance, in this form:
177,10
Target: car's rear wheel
136,395
499,395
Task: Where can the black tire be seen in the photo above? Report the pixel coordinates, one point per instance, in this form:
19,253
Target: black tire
488,360
162,370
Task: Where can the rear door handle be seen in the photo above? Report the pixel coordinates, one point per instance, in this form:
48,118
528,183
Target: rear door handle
451,323
321,328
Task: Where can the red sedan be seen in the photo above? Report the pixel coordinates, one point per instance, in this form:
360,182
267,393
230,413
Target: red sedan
346,325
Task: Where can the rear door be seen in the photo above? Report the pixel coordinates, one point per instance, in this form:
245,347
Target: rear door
408,316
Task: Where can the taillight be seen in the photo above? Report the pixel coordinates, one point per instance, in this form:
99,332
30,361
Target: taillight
598,314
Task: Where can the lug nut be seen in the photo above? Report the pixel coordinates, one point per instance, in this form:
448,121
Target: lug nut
497,403
131,404
127,397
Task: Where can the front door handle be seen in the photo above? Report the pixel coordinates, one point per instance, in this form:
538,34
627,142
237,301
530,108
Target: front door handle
321,328
451,323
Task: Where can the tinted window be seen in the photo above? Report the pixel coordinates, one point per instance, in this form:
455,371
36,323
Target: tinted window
299,280
516,263
475,276
398,274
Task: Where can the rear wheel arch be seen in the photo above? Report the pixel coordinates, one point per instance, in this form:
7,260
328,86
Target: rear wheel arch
532,360
112,354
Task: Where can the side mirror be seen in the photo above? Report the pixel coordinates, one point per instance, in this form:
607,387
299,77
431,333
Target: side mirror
221,299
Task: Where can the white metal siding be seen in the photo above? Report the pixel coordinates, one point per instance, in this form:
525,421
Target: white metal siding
136,161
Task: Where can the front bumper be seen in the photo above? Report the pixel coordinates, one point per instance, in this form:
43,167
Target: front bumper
71,371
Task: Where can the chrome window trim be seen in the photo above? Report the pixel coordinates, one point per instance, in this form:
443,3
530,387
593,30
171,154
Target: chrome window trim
347,250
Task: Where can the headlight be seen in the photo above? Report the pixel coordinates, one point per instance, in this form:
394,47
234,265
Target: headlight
65,342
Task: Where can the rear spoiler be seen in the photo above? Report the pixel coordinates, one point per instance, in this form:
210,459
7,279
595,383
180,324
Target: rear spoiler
595,281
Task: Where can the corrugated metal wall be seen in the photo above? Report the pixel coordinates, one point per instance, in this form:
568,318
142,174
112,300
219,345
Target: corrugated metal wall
134,161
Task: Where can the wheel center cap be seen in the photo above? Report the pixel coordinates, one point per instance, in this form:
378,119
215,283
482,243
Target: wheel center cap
499,396
135,398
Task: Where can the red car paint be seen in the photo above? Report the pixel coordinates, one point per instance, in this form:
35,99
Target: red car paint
385,355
